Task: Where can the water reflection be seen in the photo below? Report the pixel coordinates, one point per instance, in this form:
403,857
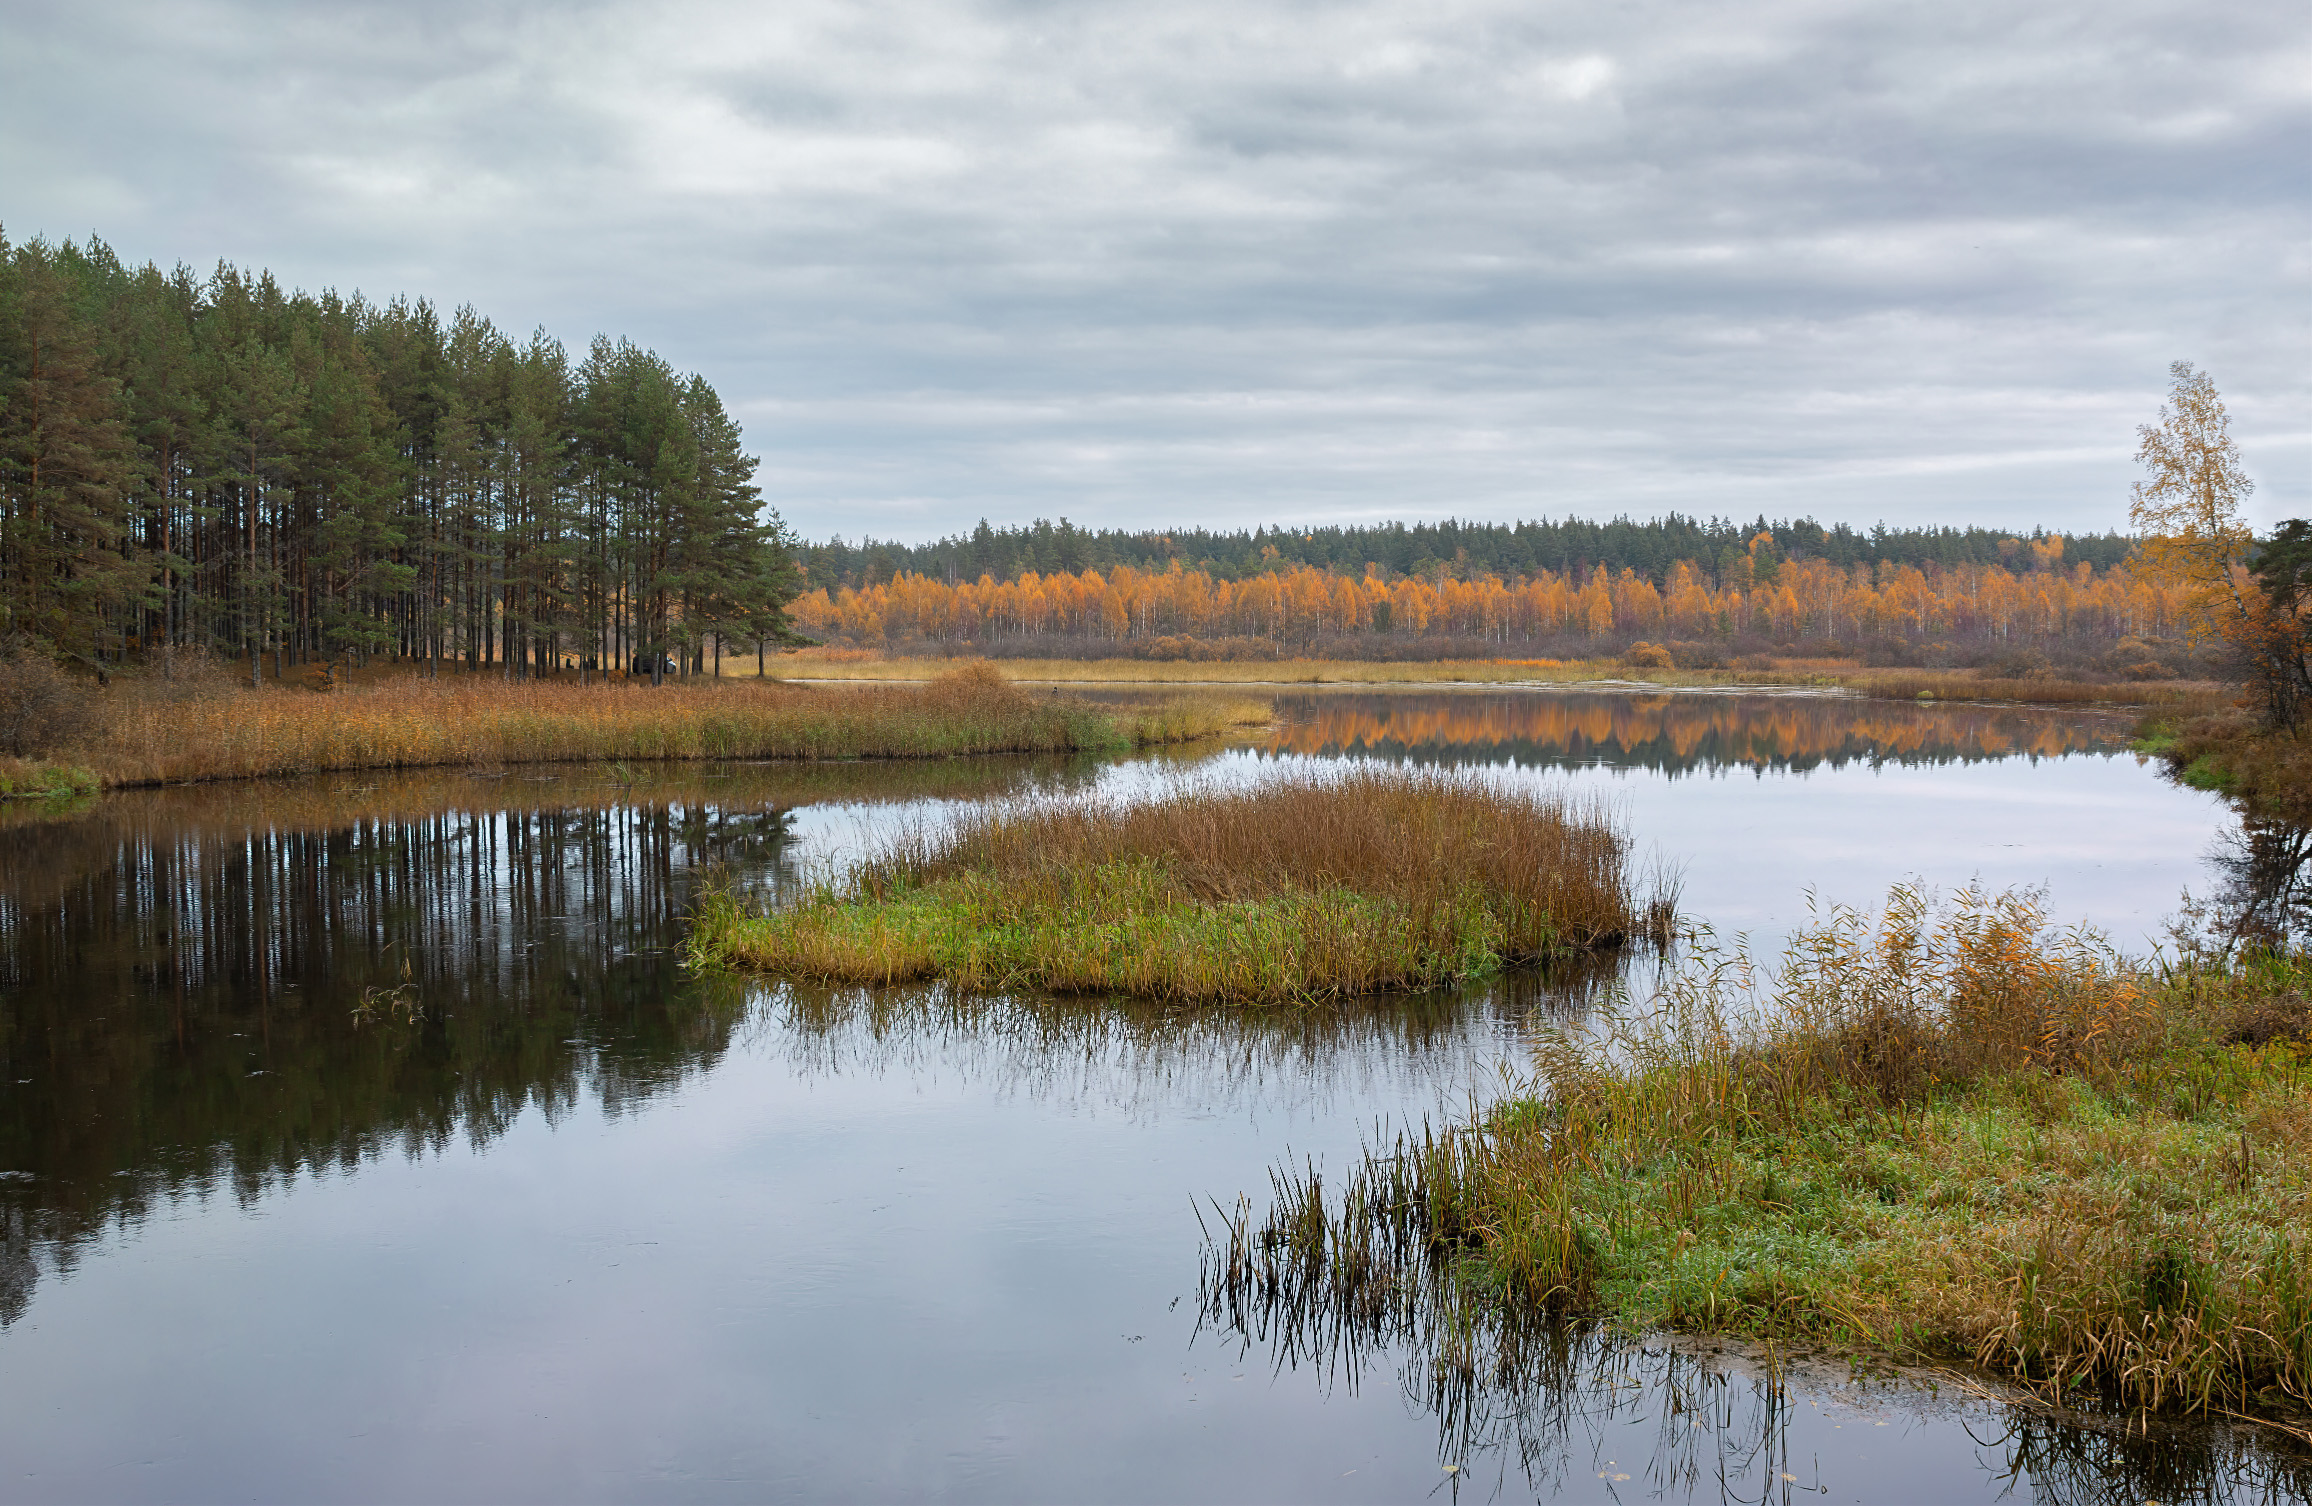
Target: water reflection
1543,1406
214,990
204,995
2264,897
211,993
1679,733
1134,1056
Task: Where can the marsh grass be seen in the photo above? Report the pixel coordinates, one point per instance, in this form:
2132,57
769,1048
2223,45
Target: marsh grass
1303,887
1966,685
1951,1138
466,722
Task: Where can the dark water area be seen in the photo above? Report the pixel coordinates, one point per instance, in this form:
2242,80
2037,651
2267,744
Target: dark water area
363,1138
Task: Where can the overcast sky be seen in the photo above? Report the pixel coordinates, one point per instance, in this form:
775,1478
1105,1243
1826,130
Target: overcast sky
1224,261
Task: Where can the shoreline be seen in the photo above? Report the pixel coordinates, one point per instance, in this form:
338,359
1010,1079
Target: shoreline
143,735
1796,677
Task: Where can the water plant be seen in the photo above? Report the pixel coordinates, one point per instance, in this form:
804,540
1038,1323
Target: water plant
1299,887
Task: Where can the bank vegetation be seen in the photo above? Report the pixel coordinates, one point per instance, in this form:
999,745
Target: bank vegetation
1946,1137
59,732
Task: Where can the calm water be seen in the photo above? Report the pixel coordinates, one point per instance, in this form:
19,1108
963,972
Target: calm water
360,1139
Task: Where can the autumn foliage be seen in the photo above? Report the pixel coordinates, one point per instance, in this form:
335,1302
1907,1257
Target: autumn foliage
2038,599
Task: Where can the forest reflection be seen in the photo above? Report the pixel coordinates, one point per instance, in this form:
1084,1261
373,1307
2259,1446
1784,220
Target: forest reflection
1680,733
210,990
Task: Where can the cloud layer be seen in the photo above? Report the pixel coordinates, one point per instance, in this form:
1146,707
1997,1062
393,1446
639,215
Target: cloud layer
1224,262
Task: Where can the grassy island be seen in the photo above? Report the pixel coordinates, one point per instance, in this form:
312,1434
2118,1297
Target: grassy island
1299,888
1952,1140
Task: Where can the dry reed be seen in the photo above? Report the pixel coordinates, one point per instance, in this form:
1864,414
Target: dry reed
414,723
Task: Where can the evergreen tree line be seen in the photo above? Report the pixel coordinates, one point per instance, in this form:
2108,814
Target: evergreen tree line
1573,547
218,463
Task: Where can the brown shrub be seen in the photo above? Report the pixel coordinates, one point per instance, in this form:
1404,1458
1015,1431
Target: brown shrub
2273,1017
42,708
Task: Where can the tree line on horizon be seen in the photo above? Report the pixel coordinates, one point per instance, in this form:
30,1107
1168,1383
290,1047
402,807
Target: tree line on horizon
1463,550
1759,598
217,463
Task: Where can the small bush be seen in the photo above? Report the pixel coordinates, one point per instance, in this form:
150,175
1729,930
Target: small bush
1696,655
1642,655
42,708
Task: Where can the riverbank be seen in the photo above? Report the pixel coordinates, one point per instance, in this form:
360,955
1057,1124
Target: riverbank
1297,889
1950,1140
1815,674
2227,752
144,733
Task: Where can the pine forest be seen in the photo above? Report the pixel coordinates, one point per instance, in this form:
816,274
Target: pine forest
279,478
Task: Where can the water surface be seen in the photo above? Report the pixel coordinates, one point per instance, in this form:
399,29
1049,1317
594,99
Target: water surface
362,1139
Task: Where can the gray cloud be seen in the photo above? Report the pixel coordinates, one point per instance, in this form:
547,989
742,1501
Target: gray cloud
1218,262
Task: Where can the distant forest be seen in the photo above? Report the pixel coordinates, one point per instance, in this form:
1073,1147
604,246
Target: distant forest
220,464
1463,551
1441,590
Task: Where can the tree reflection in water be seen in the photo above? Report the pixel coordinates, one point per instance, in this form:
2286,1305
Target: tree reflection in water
1682,733
213,990
2266,894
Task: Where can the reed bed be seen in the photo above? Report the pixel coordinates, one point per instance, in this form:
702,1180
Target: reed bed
1304,887
1962,685
415,723
1952,1140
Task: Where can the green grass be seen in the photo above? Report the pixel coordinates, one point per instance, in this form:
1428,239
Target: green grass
1960,1142
1299,889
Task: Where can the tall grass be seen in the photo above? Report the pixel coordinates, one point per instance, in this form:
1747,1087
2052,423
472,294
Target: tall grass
1306,886
1965,685
150,738
1953,1138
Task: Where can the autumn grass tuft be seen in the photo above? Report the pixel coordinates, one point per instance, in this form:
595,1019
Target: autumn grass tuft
151,738
1304,887
1954,1139
37,779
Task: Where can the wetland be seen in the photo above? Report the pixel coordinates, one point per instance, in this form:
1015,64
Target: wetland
365,1136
